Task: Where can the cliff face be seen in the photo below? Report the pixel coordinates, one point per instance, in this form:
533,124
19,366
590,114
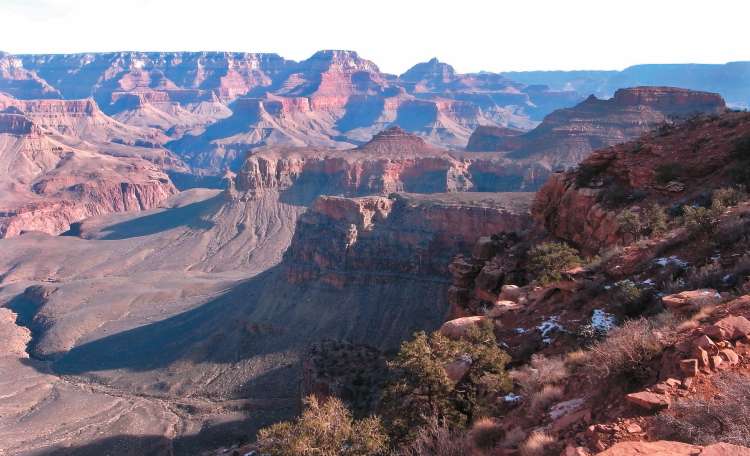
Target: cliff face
393,161
674,167
58,170
349,240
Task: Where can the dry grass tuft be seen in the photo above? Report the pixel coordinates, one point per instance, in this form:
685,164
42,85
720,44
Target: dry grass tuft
540,371
538,444
626,350
545,397
436,439
486,433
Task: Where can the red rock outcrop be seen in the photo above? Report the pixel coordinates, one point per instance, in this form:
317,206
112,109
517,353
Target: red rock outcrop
581,205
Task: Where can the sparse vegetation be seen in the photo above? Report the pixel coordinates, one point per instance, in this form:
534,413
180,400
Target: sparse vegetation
547,261
325,429
656,221
538,373
437,439
729,196
701,220
538,444
626,351
724,418
486,434
545,397
630,224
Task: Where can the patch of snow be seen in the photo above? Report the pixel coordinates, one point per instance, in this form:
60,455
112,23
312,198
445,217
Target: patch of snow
649,283
602,321
673,260
549,326
510,397
520,331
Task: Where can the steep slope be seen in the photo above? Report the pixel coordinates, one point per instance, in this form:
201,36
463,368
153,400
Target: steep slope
672,167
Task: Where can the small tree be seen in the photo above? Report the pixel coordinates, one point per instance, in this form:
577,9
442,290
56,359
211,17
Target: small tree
630,223
547,261
702,220
656,220
420,389
324,430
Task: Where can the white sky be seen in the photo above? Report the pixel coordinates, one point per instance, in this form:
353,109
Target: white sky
473,35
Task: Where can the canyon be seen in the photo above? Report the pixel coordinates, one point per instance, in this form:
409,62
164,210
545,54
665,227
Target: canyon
178,229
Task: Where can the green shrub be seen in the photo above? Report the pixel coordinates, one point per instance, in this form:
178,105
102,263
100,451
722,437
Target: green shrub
324,430
547,261
728,196
587,172
630,223
656,222
701,220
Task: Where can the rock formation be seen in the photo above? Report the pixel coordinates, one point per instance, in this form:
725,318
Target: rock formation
343,240
567,136
65,161
673,167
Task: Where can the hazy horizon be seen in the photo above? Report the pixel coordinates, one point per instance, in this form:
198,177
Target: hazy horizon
536,35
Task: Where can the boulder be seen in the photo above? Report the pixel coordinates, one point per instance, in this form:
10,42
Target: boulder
705,343
717,362
689,367
730,328
501,307
703,357
649,400
692,298
729,356
510,293
460,327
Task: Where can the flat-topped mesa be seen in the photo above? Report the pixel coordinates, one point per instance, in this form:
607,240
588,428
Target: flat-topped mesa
672,100
567,136
84,107
394,140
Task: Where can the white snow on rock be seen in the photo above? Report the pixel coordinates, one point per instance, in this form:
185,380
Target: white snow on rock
673,260
548,327
602,321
